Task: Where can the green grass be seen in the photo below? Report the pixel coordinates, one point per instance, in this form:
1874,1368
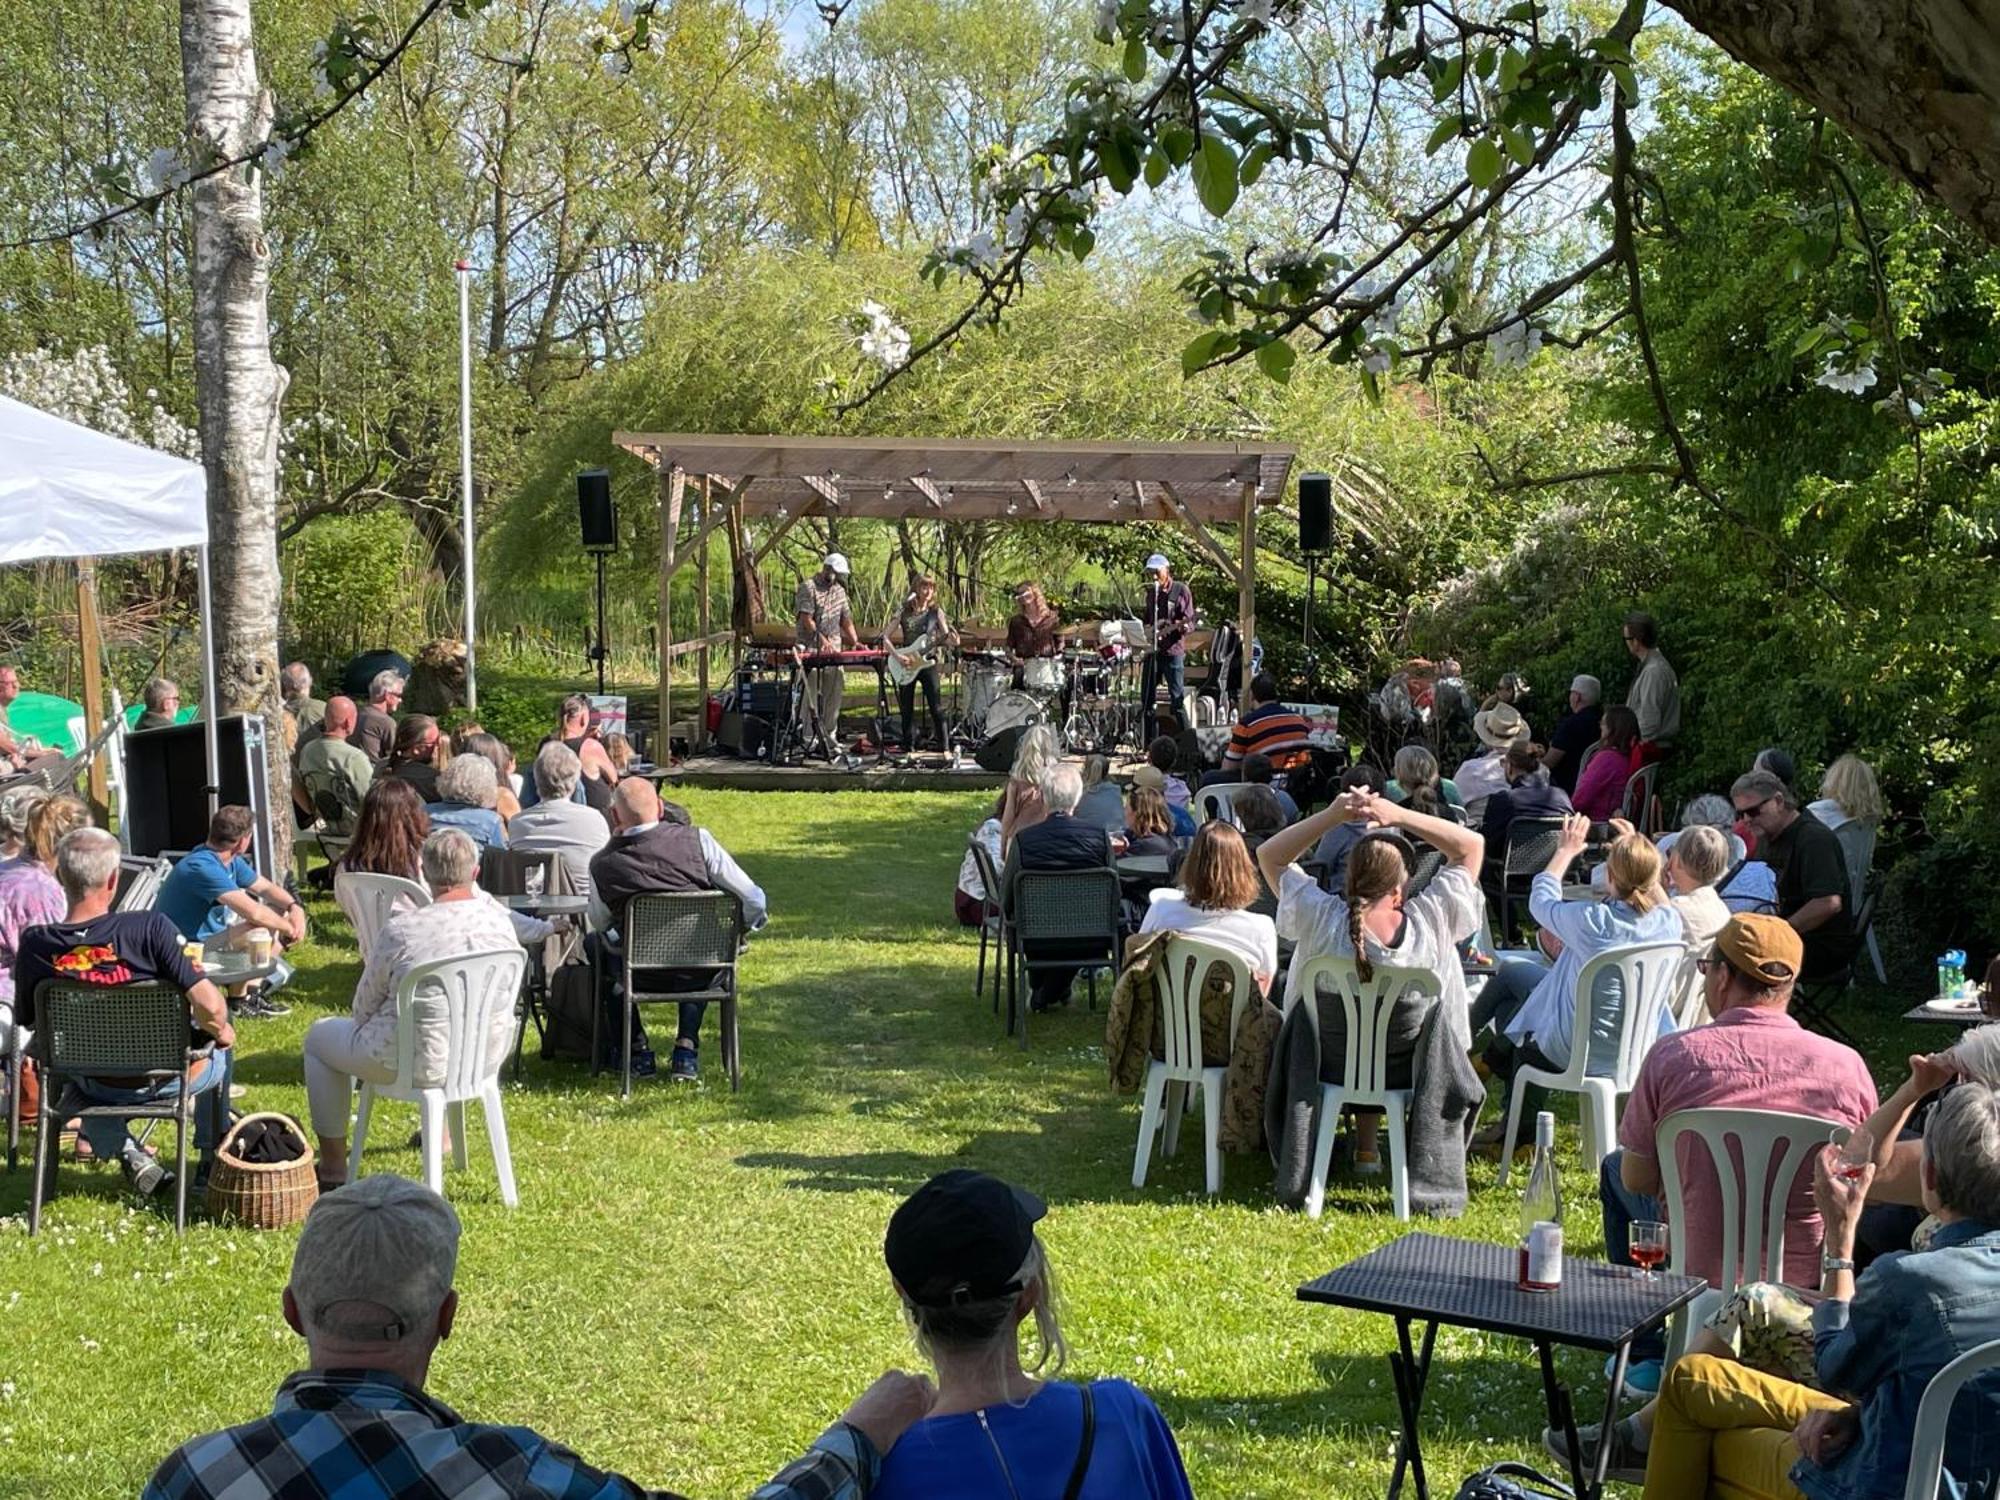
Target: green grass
692,1285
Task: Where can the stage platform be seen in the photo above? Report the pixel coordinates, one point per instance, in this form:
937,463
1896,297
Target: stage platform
928,774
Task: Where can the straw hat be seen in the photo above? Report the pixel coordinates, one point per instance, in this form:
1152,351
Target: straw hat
1500,726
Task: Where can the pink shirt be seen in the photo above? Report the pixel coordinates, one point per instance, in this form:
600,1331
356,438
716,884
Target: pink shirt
1747,1059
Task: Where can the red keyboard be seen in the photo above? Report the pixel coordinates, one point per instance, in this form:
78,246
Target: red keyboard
866,658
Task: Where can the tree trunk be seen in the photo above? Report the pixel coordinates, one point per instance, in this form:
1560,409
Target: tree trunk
238,386
1918,84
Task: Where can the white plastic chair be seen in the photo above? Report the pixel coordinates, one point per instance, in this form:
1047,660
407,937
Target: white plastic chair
1754,1203
1218,801
1689,1002
1181,971
1368,1006
1934,1416
477,1013
1646,972
370,900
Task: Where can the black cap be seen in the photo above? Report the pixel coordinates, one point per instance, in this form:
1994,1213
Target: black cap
961,1237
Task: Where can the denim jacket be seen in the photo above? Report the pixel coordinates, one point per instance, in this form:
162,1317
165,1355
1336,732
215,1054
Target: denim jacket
1913,1313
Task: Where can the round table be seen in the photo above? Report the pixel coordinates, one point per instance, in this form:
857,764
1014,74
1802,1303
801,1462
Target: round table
548,906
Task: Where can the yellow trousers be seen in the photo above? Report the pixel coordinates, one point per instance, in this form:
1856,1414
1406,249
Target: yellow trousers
1724,1430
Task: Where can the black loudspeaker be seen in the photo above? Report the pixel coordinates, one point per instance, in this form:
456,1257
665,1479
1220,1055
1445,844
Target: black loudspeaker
996,751
166,773
1315,513
594,509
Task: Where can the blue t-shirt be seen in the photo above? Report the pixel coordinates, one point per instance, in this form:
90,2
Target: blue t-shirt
190,897
1132,1457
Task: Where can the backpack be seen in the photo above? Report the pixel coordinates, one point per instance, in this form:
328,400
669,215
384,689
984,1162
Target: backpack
1513,1481
566,1038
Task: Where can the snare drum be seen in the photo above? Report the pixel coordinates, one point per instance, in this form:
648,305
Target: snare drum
1043,674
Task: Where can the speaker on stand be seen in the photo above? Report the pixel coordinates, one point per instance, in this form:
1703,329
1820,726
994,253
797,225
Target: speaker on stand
598,518
1315,539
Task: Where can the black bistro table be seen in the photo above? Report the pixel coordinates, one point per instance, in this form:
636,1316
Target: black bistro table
1933,1013
1433,1279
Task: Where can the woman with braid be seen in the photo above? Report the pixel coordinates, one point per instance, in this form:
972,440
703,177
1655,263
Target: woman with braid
1374,921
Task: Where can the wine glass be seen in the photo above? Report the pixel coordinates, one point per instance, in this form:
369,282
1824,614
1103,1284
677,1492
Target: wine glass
1857,1149
1648,1246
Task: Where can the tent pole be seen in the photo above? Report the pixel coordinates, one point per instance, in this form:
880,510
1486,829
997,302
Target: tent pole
702,626
90,644
469,542
211,705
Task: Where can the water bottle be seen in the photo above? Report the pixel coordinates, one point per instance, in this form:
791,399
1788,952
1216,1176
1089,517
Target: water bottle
1957,971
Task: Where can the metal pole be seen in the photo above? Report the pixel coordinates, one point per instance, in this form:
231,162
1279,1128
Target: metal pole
210,701
465,475
600,653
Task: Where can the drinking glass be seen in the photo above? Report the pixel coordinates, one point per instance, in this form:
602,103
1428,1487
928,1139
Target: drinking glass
1648,1246
1857,1149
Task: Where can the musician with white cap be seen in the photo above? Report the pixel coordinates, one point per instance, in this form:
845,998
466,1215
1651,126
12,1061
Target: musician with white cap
826,623
1169,617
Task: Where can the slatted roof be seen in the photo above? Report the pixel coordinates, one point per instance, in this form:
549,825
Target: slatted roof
973,478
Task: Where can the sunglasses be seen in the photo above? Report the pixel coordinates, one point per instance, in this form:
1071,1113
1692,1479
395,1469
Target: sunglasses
1754,808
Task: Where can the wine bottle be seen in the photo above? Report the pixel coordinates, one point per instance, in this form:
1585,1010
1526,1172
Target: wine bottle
1541,1214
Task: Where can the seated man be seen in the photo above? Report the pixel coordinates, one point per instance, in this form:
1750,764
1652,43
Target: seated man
1268,728
1061,841
15,756
1752,1056
371,1292
414,757
1725,1429
216,892
295,682
332,775
163,703
1576,731
1258,771
1812,871
655,849
93,945
375,731
556,822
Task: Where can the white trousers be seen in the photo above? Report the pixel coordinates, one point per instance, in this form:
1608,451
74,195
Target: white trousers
333,1064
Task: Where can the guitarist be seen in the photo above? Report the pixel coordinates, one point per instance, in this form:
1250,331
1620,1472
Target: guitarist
1169,616
923,630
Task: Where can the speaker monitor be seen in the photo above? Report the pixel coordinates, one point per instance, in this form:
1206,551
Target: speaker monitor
594,509
1315,513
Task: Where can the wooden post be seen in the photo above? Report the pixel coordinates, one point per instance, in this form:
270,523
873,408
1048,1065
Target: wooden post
90,646
1246,590
701,583
672,482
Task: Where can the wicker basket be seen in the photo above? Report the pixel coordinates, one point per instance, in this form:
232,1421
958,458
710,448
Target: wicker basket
262,1195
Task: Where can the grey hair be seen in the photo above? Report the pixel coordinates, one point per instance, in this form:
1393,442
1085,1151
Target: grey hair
1962,1146
383,683
1414,766
1586,687
17,805
1062,788
85,859
1978,1055
450,859
986,1326
557,771
1709,811
1703,853
1763,785
295,680
471,779
157,690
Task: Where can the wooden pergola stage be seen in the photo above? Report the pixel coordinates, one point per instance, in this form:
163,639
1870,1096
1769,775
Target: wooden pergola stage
786,479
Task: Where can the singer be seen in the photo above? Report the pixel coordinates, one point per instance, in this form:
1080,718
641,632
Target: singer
924,631
1169,617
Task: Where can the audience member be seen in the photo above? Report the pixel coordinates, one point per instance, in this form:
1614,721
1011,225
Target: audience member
556,823
389,835
618,750
216,893
1148,826
1216,886
1698,859
1813,889
1267,728
1039,750
1415,783
1486,773
1164,753
14,753
375,731
1600,786
1723,1428
1102,803
1258,771
1060,841
1258,814
1530,792
468,789
86,943
599,775
1575,732
650,853
1375,921
1532,1005
360,1047
371,1293
970,900
414,757
506,802
163,704
1342,834
1150,778
1655,698
295,682
1747,884
969,1270
31,891
1850,804
332,774
17,804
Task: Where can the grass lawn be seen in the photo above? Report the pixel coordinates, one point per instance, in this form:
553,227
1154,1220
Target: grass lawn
693,1284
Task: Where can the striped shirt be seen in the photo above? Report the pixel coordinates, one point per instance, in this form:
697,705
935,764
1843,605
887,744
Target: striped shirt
1272,730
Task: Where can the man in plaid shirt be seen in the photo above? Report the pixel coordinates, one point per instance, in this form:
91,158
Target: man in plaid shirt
371,1294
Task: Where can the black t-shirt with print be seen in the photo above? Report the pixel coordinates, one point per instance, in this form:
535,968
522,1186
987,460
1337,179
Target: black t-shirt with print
121,947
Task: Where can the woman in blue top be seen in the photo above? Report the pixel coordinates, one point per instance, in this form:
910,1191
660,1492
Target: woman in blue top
468,792
966,1262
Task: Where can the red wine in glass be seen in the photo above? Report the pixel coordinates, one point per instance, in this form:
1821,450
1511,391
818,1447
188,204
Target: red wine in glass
1648,1257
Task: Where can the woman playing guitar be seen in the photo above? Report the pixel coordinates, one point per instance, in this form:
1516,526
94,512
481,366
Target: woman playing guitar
924,630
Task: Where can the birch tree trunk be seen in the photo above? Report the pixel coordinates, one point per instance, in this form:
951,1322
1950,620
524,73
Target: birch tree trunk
238,386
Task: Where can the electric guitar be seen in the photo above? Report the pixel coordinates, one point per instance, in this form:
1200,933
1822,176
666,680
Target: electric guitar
905,662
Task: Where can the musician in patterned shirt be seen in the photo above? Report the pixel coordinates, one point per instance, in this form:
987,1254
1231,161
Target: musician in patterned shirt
826,623
921,626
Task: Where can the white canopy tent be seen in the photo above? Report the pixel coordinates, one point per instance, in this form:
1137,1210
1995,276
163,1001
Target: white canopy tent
67,491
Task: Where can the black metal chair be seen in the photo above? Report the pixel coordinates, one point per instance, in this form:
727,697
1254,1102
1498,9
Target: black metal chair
1814,998
1430,860
688,931
992,922
1062,919
126,1031
1638,805
1530,844
522,872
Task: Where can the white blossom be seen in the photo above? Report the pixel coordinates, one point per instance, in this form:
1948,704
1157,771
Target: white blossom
86,388
1513,345
981,253
1107,16
885,341
165,169
628,12
1016,221
1377,360
277,151
615,64
1852,382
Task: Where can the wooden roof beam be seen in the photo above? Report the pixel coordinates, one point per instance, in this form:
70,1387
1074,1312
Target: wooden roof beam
1216,551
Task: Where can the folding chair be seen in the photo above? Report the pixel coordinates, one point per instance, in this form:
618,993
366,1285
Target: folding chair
1814,999
992,922
1072,912
139,883
700,930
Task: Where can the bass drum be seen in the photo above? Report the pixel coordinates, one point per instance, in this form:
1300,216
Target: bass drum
1012,710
